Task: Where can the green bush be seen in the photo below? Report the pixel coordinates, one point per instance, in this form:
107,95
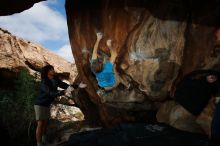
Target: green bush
16,106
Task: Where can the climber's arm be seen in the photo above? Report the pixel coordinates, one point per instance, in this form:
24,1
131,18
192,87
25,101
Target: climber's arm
96,46
112,51
113,56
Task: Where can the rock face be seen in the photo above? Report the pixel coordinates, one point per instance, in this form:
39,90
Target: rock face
157,43
175,115
16,54
65,113
65,120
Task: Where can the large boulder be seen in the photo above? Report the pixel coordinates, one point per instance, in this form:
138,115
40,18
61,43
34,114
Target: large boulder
158,42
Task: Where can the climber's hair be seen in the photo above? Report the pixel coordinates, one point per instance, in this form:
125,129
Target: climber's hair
97,66
45,70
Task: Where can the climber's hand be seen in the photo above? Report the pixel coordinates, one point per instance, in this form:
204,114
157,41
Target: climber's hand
99,35
109,43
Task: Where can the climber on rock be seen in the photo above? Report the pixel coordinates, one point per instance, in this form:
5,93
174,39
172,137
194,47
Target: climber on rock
105,71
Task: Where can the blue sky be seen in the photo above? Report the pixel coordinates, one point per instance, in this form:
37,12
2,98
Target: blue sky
45,24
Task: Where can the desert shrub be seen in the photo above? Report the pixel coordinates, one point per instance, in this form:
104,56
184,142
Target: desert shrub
16,107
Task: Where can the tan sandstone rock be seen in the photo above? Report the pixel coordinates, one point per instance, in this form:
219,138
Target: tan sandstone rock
17,53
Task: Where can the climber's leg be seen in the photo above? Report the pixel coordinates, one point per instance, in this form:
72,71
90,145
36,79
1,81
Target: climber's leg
112,59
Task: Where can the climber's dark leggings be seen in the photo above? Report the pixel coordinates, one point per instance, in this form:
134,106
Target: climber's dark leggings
216,124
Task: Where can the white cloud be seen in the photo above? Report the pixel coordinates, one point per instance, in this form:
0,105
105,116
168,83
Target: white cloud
52,1
65,52
38,24
41,24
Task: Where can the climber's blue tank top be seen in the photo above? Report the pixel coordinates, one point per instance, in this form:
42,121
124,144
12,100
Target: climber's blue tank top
106,78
